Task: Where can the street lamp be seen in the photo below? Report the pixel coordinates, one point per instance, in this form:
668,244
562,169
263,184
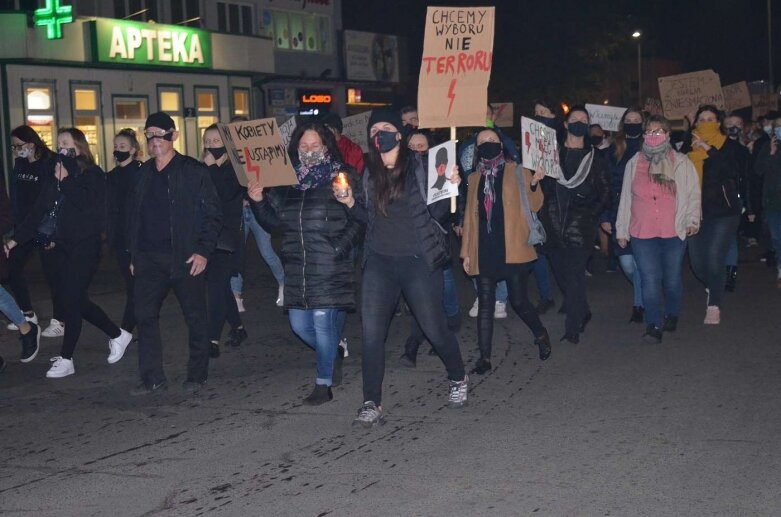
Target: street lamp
637,35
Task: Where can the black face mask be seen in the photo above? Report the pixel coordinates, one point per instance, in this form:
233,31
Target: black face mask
548,121
633,130
577,129
217,152
733,132
69,152
386,141
489,150
121,156
595,140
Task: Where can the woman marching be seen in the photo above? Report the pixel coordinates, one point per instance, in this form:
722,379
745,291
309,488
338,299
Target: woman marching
658,210
317,243
74,205
501,197
405,250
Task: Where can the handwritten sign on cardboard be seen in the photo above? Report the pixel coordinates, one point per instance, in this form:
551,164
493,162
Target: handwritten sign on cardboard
503,114
539,147
736,96
456,66
354,128
286,130
684,93
441,162
257,152
608,117
763,103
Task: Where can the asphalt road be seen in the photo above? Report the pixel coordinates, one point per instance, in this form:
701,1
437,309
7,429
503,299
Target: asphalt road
611,426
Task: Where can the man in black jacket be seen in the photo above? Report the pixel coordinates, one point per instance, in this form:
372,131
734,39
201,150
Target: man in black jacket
174,222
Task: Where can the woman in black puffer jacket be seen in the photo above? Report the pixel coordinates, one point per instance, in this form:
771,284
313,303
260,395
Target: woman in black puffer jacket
318,237
570,214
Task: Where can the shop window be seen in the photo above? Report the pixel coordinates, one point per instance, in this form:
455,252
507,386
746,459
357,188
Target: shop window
235,18
207,110
131,112
170,101
296,31
87,116
136,10
19,5
186,12
241,102
40,111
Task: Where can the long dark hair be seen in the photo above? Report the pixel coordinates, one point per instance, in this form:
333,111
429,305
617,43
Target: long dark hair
388,183
328,138
30,136
620,137
85,158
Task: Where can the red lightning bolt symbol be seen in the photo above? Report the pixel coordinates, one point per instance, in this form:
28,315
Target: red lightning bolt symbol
252,169
451,95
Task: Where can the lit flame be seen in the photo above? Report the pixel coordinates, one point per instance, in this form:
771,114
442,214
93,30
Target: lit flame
341,179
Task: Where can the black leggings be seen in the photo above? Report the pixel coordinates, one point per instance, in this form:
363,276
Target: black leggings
517,280
18,283
128,316
222,304
76,266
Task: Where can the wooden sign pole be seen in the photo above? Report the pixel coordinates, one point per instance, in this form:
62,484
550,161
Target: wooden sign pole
452,199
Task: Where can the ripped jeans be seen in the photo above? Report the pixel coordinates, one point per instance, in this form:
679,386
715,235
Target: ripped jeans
321,330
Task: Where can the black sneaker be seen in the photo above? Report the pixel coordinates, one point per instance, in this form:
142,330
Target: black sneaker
572,338
543,344
544,306
31,343
407,361
320,395
149,389
191,386
638,315
236,337
214,349
652,335
670,324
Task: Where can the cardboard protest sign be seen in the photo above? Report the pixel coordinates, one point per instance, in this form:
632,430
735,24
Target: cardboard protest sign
286,130
539,147
608,117
653,106
736,96
257,152
684,93
763,103
503,114
441,162
354,128
456,66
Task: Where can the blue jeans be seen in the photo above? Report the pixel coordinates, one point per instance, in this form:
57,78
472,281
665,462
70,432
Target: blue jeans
732,253
541,276
629,267
263,241
450,302
9,307
660,262
321,330
774,225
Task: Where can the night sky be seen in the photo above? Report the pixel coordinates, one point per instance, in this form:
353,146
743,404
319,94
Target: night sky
560,48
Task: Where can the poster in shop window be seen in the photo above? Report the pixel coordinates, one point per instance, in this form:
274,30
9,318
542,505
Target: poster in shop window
456,66
258,153
539,147
441,163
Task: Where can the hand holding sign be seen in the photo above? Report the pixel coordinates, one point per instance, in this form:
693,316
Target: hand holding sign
443,176
541,151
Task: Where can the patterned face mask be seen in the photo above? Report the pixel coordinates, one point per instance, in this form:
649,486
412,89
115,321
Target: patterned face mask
311,158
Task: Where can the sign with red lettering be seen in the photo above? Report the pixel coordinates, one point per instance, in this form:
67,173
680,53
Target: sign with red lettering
456,66
257,152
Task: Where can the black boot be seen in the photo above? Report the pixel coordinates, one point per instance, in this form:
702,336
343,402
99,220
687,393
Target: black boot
652,335
543,343
670,323
732,278
236,337
320,395
638,315
481,366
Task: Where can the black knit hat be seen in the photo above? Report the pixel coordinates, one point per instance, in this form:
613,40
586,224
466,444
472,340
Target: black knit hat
333,121
161,120
384,115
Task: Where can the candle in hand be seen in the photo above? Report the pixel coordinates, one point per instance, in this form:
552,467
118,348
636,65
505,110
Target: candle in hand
341,185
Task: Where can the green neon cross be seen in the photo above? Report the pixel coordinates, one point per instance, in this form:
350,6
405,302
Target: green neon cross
53,16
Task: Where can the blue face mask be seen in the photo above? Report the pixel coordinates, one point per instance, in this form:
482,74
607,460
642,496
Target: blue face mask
778,133
768,130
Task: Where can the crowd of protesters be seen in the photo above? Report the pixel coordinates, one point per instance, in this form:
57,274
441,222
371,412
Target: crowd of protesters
644,194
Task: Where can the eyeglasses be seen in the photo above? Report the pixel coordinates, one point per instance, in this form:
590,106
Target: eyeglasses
156,134
656,132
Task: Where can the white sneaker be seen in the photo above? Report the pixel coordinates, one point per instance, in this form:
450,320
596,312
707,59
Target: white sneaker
55,329
343,344
240,302
61,367
281,295
30,319
118,345
473,310
500,311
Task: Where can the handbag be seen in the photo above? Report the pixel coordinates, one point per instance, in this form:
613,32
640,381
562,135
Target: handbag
48,225
536,230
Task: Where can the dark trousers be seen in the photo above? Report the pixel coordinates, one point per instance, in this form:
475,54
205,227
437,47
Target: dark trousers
222,304
384,279
77,265
708,252
153,280
17,282
517,279
569,268
128,316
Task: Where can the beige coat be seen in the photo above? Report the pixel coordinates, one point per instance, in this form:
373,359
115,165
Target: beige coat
516,229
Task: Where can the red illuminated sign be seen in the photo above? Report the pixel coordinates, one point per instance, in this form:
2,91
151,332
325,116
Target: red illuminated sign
315,98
